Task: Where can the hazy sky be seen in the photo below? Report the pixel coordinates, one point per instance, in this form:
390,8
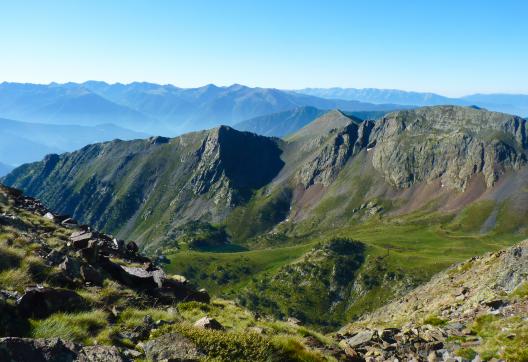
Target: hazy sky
450,47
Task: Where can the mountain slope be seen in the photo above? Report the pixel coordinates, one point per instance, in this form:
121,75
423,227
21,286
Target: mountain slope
70,293
509,103
154,108
15,149
447,152
145,188
374,95
210,105
286,123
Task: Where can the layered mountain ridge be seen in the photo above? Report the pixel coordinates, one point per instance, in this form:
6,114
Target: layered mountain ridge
205,175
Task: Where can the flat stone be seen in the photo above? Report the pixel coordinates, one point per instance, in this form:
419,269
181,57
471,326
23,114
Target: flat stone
360,338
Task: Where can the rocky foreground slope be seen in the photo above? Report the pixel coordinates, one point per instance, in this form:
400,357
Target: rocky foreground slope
475,310
69,293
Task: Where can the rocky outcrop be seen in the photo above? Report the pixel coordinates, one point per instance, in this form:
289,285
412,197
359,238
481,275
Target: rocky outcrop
232,163
86,258
324,166
448,143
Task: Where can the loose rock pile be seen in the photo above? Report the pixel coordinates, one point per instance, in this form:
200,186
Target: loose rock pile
87,259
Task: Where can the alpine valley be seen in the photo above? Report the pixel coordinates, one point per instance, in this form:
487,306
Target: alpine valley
325,235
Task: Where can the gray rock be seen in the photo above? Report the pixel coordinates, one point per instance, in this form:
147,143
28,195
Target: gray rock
100,354
49,216
208,323
91,275
42,302
71,267
172,347
447,143
360,338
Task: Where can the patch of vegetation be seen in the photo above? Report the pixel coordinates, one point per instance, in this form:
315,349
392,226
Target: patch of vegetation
505,338
466,353
77,327
434,321
473,217
220,271
312,286
521,292
196,235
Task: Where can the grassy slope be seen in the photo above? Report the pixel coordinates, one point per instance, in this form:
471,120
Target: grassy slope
411,247
216,270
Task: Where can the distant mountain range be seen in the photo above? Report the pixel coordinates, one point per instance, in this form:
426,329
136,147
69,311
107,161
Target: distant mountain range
154,108
508,103
22,142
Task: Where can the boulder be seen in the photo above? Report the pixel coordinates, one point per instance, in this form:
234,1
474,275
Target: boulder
100,354
294,321
71,267
37,350
54,257
132,247
91,275
209,323
42,302
172,347
144,278
360,338
79,240
69,222
49,216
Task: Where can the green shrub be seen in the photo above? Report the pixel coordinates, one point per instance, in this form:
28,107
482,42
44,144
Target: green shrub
466,353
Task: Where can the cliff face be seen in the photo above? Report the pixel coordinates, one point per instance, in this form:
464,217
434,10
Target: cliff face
232,163
449,143
336,151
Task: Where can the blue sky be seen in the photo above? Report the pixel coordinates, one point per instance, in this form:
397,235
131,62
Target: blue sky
450,47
